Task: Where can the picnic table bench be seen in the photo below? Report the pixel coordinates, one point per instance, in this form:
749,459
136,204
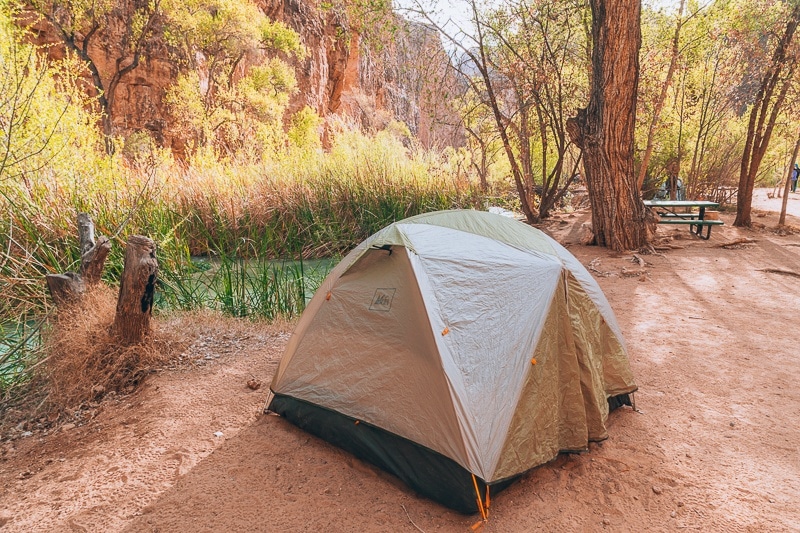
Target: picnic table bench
668,214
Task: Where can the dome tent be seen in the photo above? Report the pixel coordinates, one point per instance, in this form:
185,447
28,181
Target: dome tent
456,350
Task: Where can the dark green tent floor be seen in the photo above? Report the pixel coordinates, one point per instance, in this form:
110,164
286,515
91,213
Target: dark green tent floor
427,472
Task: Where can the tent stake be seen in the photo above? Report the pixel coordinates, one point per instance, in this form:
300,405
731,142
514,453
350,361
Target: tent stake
480,501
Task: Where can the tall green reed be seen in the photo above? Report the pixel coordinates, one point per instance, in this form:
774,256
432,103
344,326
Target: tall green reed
241,218
254,288
20,349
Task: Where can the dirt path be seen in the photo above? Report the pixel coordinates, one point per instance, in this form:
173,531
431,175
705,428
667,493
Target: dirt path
712,335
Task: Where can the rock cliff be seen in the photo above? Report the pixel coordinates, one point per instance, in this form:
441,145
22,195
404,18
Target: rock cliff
403,75
400,74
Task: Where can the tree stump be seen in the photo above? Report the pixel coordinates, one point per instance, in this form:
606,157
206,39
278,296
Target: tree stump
93,254
136,290
67,288
85,232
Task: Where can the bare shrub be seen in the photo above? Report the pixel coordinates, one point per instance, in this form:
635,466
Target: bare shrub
86,361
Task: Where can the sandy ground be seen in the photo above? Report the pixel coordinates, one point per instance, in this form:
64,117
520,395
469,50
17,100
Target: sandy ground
712,335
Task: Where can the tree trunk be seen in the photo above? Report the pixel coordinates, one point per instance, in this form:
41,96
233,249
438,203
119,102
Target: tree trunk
787,187
763,117
605,129
531,215
136,290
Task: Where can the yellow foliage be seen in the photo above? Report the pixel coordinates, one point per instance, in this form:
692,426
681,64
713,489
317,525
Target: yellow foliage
45,118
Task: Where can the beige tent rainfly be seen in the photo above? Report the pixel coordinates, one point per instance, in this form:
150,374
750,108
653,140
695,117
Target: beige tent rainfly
457,350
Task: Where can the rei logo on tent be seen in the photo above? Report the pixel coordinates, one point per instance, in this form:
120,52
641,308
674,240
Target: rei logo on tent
382,301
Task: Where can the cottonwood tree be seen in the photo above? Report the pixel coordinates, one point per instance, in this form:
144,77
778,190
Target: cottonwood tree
605,128
24,81
235,89
695,56
43,109
708,102
700,130
483,142
79,25
518,64
658,103
712,133
477,70
777,79
539,49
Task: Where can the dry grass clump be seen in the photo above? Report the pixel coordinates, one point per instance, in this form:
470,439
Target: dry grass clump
85,361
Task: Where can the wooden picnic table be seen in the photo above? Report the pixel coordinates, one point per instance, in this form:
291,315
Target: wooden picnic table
668,213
